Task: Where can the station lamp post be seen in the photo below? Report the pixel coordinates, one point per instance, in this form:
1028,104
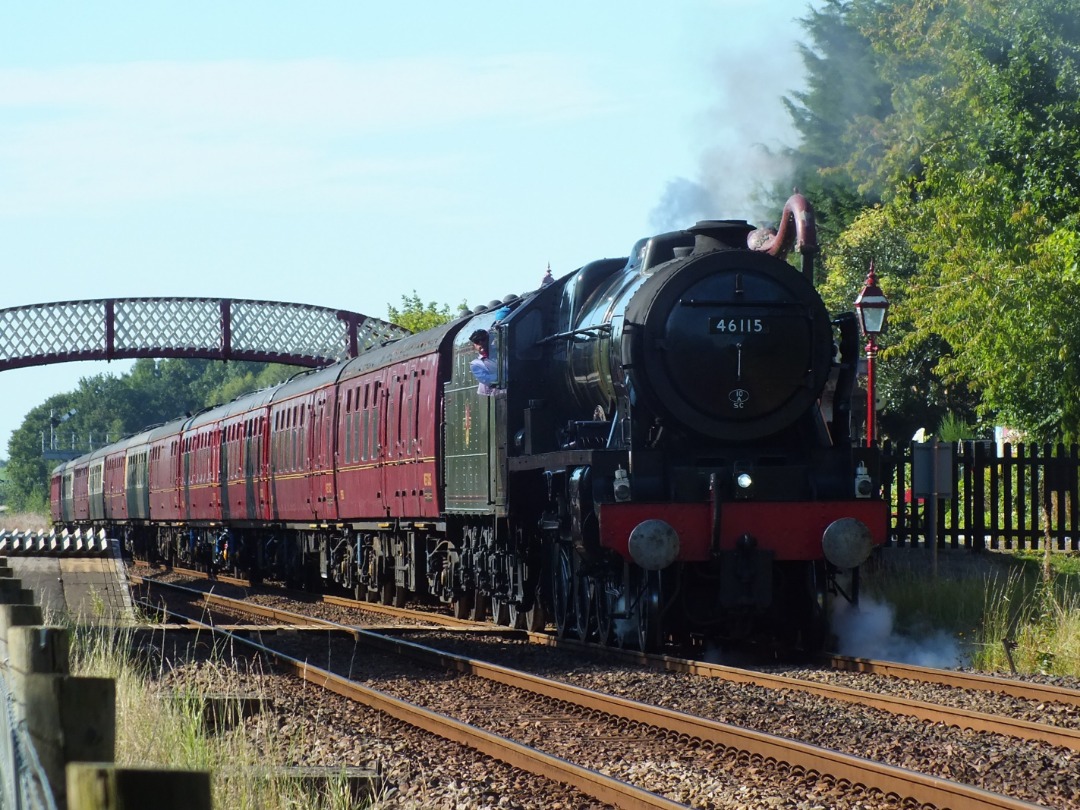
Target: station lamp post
872,306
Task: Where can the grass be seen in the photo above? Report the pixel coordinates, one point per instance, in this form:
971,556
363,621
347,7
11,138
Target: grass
164,727
24,521
997,606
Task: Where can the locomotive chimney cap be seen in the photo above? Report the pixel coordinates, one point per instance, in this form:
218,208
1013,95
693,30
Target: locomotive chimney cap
720,234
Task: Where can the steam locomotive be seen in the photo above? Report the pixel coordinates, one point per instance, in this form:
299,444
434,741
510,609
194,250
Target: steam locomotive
665,456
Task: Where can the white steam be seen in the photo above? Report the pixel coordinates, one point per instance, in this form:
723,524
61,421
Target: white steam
866,631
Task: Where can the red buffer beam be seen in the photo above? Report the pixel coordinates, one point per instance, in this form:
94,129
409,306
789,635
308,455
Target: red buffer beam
213,328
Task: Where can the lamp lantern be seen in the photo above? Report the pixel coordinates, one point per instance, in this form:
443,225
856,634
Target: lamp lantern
872,308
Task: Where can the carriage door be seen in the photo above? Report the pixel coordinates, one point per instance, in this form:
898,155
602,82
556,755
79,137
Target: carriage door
323,499
226,453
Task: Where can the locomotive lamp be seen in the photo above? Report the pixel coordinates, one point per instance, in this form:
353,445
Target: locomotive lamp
744,481
871,306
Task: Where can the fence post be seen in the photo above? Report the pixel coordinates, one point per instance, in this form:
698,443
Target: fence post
67,718
97,786
71,721
16,614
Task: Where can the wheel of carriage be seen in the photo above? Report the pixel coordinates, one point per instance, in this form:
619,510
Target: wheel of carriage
645,609
360,592
585,619
532,620
562,589
401,596
500,610
479,611
463,603
386,593
535,618
608,602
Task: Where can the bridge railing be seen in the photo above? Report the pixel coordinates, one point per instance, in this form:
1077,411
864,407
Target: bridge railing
213,328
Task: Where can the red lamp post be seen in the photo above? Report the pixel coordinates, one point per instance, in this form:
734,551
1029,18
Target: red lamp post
871,306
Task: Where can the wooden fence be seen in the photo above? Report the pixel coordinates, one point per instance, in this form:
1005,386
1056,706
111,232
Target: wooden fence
63,727
1015,498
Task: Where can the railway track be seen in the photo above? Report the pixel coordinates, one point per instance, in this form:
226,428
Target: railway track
964,718
672,729
961,680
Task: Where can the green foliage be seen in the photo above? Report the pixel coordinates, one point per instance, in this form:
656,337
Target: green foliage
843,87
915,395
417,316
253,379
953,428
963,119
1030,624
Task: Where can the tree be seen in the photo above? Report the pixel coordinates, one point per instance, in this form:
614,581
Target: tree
915,395
971,140
981,156
104,408
248,377
844,87
27,469
416,316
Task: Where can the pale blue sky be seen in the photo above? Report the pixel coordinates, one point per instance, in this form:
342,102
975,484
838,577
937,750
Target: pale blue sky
347,153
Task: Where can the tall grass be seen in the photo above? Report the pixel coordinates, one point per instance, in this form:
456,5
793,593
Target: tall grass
999,606
1033,626
162,727
25,521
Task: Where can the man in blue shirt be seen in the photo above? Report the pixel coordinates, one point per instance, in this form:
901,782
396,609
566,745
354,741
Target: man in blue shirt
483,366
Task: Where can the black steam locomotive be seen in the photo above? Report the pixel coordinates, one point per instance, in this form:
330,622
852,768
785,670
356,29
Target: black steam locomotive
662,454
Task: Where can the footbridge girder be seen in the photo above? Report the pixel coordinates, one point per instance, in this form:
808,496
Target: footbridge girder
213,328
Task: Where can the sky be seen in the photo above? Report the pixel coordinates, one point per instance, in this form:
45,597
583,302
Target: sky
346,153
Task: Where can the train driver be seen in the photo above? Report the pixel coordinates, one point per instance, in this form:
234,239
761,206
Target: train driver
483,365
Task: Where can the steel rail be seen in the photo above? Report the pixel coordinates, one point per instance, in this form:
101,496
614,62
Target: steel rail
341,601
931,712
593,783
888,779
963,680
